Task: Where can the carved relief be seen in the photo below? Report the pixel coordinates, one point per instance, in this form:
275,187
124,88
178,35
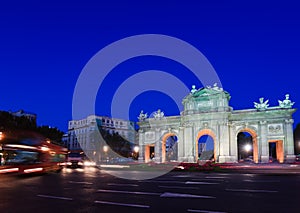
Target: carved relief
187,124
149,136
275,129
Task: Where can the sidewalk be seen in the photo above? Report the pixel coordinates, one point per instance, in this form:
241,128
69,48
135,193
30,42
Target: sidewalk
263,168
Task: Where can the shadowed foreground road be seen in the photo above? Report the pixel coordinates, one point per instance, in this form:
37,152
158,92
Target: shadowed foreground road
90,190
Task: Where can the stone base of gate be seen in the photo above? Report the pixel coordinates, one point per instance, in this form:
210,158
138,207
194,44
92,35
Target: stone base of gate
190,159
290,158
264,159
227,159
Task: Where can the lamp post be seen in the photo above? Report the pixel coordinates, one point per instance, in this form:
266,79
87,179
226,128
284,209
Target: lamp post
136,150
247,148
105,150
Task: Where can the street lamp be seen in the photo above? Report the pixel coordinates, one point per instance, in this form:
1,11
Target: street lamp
135,152
1,136
247,147
136,149
105,150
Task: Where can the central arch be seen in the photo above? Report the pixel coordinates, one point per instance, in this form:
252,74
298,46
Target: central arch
254,141
164,145
204,132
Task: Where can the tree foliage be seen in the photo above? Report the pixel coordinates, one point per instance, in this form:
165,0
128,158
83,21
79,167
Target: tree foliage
10,123
117,143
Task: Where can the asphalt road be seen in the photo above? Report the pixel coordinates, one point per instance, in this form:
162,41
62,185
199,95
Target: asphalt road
91,190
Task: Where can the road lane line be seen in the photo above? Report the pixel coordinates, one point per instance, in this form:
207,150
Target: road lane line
121,204
251,190
199,183
122,184
161,181
181,176
216,177
262,181
206,179
127,192
203,211
81,182
169,194
55,197
178,187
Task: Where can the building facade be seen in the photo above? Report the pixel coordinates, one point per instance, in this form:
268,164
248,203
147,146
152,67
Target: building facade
83,134
21,113
207,113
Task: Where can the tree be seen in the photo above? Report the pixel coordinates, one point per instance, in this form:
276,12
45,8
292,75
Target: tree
52,133
10,124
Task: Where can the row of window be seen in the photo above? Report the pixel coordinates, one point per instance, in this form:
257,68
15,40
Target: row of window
108,121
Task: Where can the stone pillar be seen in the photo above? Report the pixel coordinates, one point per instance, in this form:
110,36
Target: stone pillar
224,143
263,144
188,144
141,158
233,143
158,146
181,143
289,142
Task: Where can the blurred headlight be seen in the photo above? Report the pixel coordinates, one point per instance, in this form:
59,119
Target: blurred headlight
89,163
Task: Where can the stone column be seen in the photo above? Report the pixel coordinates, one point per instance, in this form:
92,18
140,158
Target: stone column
233,143
158,146
181,143
188,143
263,144
289,142
224,143
141,158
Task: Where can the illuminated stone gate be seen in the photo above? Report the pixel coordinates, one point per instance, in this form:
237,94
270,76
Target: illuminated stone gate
207,112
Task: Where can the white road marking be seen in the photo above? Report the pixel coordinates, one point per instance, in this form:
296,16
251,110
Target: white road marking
216,177
128,192
205,179
199,183
81,182
262,181
55,197
161,181
203,211
178,187
121,184
251,190
181,176
168,194
121,204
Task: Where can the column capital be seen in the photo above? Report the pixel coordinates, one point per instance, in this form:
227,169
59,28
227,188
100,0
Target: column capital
289,121
263,122
188,124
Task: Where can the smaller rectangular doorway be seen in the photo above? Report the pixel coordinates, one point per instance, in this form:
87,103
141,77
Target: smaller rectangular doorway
149,152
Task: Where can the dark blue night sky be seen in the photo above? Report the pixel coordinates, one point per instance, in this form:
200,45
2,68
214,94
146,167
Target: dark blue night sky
254,47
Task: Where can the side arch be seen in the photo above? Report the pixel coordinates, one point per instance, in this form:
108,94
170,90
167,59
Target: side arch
163,145
253,134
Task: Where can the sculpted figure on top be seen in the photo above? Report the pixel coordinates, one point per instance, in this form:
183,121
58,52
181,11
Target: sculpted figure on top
262,105
286,103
